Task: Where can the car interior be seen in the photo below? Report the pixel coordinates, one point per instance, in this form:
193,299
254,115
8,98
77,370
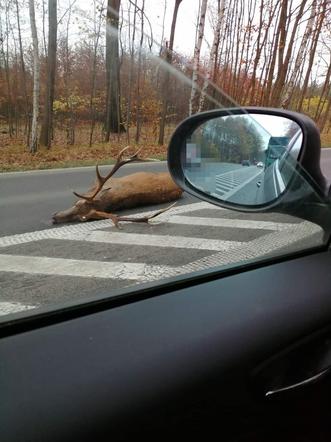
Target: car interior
240,352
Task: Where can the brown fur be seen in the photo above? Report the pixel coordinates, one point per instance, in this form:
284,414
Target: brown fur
134,190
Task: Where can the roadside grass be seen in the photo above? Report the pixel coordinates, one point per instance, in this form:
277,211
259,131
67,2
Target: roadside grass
18,159
14,155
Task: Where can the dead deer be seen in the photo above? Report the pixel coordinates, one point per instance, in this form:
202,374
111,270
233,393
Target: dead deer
109,194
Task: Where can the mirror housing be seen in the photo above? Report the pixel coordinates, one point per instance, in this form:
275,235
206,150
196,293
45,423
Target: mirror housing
308,161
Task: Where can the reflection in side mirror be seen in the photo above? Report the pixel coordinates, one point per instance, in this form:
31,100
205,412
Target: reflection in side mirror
245,159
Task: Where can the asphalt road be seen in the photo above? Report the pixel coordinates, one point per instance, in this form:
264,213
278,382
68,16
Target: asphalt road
326,162
28,199
55,265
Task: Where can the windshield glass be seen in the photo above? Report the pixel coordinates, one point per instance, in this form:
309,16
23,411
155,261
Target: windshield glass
106,83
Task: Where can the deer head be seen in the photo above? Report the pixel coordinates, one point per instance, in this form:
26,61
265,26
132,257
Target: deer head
89,201
75,213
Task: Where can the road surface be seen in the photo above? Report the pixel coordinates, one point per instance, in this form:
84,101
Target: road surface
326,162
28,199
42,266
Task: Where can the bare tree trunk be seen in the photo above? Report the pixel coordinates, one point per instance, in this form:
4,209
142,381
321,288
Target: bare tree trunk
197,49
44,32
36,85
326,115
217,56
316,34
271,65
235,85
14,74
260,46
245,43
299,58
163,21
217,32
47,125
276,97
131,46
94,70
165,87
226,44
138,112
113,122
324,94
24,80
5,55
70,117
161,50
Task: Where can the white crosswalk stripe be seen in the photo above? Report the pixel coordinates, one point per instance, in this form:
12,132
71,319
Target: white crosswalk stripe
82,268
7,308
226,222
226,183
206,251
59,232
181,242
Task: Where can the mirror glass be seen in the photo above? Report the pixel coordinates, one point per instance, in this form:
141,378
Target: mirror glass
245,159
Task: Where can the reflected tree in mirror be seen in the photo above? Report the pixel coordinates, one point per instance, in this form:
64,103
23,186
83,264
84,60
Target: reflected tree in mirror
243,159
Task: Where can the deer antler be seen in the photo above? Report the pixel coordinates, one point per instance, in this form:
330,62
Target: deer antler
101,180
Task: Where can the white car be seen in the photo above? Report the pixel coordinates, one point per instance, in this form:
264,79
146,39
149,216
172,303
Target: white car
260,164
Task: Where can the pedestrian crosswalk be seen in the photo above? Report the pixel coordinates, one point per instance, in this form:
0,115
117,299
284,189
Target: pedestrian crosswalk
145,239
55,265
228,183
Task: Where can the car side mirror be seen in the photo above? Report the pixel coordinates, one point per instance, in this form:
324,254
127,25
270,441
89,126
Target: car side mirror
246,158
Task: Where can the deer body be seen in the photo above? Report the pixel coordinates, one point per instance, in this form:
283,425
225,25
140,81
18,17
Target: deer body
134,190
137,189
108,194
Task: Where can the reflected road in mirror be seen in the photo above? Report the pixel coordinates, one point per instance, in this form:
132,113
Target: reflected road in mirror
243,159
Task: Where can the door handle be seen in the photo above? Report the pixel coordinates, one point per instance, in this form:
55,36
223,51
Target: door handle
298,385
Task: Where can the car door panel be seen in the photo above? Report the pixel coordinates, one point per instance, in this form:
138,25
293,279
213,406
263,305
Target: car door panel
89,376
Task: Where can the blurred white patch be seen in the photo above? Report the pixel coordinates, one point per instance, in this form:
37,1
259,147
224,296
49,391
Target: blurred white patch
6,308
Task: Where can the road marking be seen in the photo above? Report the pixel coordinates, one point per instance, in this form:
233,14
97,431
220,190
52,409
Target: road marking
57,233
229,183
82,268
278,179
182,242
226,222
270,244
259,247
7,308
232,192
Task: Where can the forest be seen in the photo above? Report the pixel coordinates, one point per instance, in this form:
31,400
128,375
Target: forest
80,80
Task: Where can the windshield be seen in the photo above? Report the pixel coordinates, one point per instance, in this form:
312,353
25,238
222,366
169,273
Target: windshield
106,83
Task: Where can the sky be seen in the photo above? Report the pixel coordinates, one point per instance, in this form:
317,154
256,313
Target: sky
81,19
186,22
154,9
186,19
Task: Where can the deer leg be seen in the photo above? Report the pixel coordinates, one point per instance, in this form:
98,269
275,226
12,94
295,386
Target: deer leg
144,219
97,214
